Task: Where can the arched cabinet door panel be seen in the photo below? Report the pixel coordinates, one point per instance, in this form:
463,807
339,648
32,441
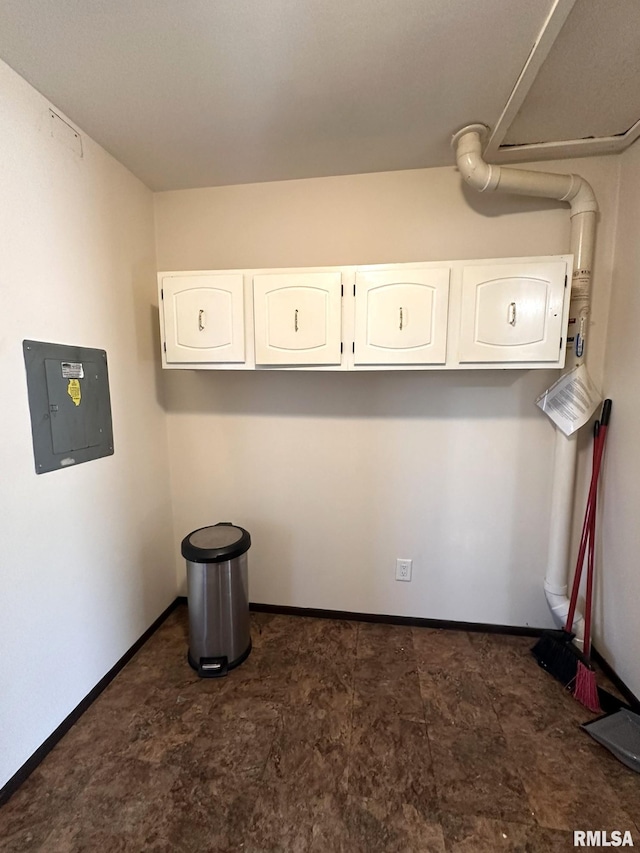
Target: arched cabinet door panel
512,313
401,316
204,318
298,318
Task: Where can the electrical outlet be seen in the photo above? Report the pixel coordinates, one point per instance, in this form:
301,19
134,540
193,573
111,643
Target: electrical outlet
403,570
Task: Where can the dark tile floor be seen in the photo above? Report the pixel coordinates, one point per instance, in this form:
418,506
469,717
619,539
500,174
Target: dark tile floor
332,736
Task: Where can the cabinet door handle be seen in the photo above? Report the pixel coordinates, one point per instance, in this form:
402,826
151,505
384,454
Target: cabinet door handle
512,314
201,320
401,319
295,321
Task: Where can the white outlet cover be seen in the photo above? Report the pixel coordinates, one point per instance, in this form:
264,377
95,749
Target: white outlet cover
403,570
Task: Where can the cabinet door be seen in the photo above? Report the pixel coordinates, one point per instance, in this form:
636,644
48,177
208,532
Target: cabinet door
204,318
298,318
512,312
401,316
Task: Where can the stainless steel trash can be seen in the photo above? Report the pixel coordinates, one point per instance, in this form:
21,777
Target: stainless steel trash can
218,598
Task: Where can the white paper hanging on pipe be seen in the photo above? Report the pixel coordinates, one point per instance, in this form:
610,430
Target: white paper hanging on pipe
571,400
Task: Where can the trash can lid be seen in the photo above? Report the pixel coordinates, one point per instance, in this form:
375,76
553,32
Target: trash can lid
216,544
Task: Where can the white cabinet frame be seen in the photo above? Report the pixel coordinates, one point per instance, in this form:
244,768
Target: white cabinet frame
341,340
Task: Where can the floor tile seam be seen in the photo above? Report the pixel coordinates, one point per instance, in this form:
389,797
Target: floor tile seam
403,718
411,634
432,820
603,782
476,647
254,804
366,687
429,747
424,715
586,824
277,730
491,704
504,824
515,763
425,680
510,752
447,813
427,670
352,716
45,845
335,672
374,708
597,786
476,665
497,815
433,724
20,829
326,650
594,760
260,786
298,645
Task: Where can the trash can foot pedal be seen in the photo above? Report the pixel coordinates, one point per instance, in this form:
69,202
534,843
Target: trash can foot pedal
217,667
210,667
213,667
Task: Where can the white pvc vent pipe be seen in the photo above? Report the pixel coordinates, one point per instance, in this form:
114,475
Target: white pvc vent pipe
584,208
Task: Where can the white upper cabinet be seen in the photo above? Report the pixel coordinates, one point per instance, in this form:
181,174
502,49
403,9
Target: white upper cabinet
439,315
203,317
401,316
298,318
512,312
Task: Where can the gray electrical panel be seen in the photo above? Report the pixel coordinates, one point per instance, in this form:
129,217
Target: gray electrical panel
69,403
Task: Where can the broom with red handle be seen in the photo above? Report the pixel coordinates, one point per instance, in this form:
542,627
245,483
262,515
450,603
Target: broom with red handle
555,650
585,686
586,529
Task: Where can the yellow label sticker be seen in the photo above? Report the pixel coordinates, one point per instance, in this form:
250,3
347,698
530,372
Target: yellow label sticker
73,390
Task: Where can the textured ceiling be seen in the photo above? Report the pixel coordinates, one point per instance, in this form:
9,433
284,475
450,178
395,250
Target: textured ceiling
589,84
194,93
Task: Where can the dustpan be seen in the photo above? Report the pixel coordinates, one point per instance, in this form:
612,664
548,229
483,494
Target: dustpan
620,734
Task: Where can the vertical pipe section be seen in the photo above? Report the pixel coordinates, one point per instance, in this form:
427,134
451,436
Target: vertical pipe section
577,192
583,229
562,492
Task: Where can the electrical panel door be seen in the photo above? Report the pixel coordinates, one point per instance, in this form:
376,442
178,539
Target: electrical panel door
512,313
401,316
69,403
298,318
204,317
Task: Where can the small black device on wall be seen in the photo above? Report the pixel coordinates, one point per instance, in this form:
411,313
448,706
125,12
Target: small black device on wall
69,403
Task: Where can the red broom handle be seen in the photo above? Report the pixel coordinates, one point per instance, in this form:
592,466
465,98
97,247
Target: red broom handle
586,648
598,449
592,546
583,536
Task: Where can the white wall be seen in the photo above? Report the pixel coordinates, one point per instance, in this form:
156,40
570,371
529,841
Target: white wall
85,552
618,628
336,475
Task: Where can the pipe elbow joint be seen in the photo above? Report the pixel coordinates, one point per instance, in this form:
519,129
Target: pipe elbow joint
475,171
581,196
559,607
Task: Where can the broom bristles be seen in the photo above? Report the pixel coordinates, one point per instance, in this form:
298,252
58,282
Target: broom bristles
585,689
